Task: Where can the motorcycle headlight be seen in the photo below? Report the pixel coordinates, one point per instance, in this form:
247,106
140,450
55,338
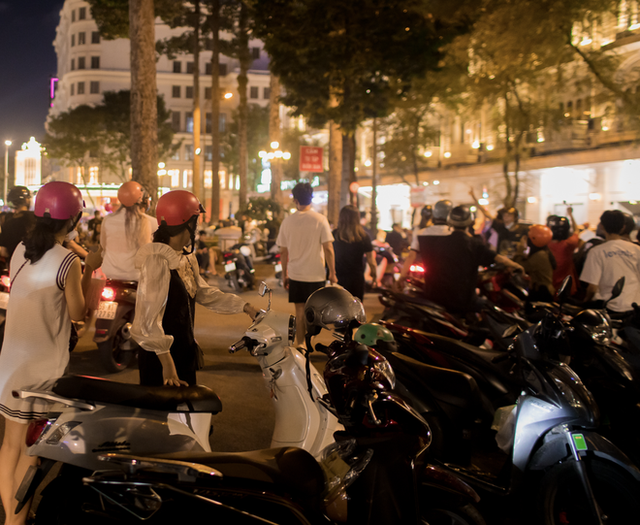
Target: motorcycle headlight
384,368
602,334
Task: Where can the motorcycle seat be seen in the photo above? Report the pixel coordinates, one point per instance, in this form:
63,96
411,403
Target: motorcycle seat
165,398
291,468
415,299
448,386
123,284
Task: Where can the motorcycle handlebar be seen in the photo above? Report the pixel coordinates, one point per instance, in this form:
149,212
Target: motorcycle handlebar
244,343
322,348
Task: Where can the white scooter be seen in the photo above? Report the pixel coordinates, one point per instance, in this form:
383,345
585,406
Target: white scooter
98,416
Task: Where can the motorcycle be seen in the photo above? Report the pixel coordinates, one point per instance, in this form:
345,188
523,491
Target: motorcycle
238,270
369,473
114,318
546,421
102,416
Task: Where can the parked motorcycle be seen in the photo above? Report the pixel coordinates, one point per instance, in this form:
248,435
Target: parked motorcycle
114,317
238,268
102,416
369,474
547,438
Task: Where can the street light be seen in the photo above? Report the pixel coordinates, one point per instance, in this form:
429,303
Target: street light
272,157
7,143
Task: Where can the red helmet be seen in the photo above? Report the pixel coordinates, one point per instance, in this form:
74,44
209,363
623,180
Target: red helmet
58,200
130,193
540,235
177,207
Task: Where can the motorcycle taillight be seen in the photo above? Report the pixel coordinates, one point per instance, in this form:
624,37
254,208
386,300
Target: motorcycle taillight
35,430
227,255
6,281
108,293
416,268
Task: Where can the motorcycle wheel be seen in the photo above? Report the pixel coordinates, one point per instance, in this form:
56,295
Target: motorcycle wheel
113,358
464,515
563,501
234,284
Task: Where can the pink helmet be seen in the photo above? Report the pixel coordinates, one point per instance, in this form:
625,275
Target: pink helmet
177,207
58,200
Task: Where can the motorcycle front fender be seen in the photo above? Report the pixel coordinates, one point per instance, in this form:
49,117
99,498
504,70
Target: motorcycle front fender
124,311
554,450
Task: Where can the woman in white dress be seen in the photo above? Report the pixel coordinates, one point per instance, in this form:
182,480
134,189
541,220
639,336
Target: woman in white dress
47,293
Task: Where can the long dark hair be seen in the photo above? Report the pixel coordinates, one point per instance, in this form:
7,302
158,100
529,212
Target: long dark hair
349,228
42,238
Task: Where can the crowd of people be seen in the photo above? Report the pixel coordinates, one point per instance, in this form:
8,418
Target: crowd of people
164,256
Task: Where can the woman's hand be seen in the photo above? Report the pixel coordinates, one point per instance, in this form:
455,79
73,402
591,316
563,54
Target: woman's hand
94,259
251,311
169,372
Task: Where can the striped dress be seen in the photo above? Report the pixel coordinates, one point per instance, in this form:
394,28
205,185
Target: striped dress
36,343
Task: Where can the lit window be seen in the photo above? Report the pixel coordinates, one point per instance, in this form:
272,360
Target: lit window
187,177
93,176
188,124
175,177
207,177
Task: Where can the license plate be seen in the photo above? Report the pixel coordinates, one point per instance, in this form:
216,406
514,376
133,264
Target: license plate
230,267
107,310
278,267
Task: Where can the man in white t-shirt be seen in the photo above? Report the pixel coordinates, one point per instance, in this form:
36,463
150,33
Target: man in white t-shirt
609,261
305,242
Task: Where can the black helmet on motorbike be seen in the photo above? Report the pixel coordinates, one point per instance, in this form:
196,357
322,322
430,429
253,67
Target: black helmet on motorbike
18,196
441,211
332,308
460,217
559,226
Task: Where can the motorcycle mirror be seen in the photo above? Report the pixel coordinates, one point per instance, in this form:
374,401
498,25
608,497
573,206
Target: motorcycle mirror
263,289
565,289
617,290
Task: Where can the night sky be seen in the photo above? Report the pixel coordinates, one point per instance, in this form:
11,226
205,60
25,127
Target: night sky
27,61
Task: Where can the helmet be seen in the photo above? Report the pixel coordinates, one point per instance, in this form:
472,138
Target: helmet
130,193
513,211
540,235
460,217
18,195
58,200
559,227
369,334
426,212
629,224
332,308
441,211
177,207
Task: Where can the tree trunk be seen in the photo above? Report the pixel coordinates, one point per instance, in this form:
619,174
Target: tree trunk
275,135
335,172
197,151
507,156
214,217
144,108
345,194
245,64
374,178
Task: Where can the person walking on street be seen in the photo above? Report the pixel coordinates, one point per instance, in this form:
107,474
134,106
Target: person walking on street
47,292
170,285
306,244
351,245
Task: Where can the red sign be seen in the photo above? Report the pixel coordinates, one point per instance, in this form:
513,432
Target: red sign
311,159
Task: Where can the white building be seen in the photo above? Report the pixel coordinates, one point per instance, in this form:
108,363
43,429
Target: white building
89,65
